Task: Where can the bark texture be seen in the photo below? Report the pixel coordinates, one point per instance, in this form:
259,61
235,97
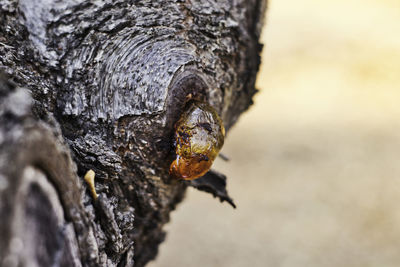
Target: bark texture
99,85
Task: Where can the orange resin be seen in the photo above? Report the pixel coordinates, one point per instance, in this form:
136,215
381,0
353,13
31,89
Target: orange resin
199,136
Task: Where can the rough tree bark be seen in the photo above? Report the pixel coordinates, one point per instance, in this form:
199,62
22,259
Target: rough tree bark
99,85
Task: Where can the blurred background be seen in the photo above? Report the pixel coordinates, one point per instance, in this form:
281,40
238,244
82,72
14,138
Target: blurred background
315,164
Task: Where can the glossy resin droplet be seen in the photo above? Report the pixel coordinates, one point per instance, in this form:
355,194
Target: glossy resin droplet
199,136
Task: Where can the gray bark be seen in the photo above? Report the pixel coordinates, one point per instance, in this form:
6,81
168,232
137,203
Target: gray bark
99,85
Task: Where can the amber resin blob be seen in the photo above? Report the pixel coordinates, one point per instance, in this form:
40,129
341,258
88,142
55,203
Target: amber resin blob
199,136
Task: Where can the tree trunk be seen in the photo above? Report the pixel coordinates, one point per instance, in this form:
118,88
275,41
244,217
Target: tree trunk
99,85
